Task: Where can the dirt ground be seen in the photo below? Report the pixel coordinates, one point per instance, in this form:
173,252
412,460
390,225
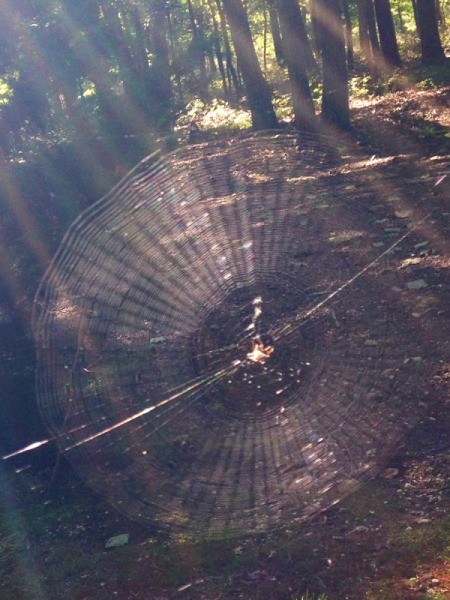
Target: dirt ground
390,540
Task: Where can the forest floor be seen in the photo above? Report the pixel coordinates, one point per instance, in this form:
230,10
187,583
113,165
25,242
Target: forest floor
390,540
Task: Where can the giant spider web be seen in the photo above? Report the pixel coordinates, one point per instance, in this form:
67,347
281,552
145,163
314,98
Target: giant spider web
219,346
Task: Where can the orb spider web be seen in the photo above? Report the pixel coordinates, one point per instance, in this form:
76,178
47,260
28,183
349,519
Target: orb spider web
219,349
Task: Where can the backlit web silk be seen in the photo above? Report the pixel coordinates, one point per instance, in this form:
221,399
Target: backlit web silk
219,346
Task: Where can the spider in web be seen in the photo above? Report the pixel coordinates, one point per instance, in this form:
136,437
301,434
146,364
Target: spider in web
262,348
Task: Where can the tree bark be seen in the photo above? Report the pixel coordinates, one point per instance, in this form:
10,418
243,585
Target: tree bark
348,35
364,37
432,51
416,18
314,25
198,50
294,25
400,18
440,13
293,44
231,71
217,47
276,34
175,66
335,95
258,92
372,25
386,30
161,65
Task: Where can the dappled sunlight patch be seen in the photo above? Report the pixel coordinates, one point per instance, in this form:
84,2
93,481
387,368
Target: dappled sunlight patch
218,116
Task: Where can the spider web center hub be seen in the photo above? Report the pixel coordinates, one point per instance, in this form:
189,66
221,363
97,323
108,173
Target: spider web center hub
270,371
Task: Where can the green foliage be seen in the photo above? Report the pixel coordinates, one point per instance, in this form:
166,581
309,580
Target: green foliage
361,86
283,108
215,117
403,13
117,70
5,92
427,78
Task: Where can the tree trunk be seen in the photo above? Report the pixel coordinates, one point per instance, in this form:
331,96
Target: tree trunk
432,51
231,71
217,47
400,18
198,50
348,35
258,93
294,50
265,40
372,26
175,66
161,66
440,13
314,25
294,25
112,21
276,35
364,38
416,17
139,46
335,95
386,30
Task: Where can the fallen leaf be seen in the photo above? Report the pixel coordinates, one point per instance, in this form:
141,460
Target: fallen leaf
417,284
390,473
403,214
117,540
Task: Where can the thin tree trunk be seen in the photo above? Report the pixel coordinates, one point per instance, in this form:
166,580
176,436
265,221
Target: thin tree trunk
439,13
372,26
400,18
275,30
113,23
265,40
197,47
207,45
416,16
293,47
296,29
179,86
139,49
348,35
432,51
233,79
335,95
161,65
386,30
258,93
217,47
364,38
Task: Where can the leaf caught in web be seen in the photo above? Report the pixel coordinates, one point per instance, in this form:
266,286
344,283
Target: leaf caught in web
206,338
117,541
417,284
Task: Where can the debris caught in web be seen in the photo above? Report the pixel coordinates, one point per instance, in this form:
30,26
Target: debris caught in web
260,351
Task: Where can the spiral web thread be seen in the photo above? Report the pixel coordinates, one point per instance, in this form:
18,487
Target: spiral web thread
148,315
